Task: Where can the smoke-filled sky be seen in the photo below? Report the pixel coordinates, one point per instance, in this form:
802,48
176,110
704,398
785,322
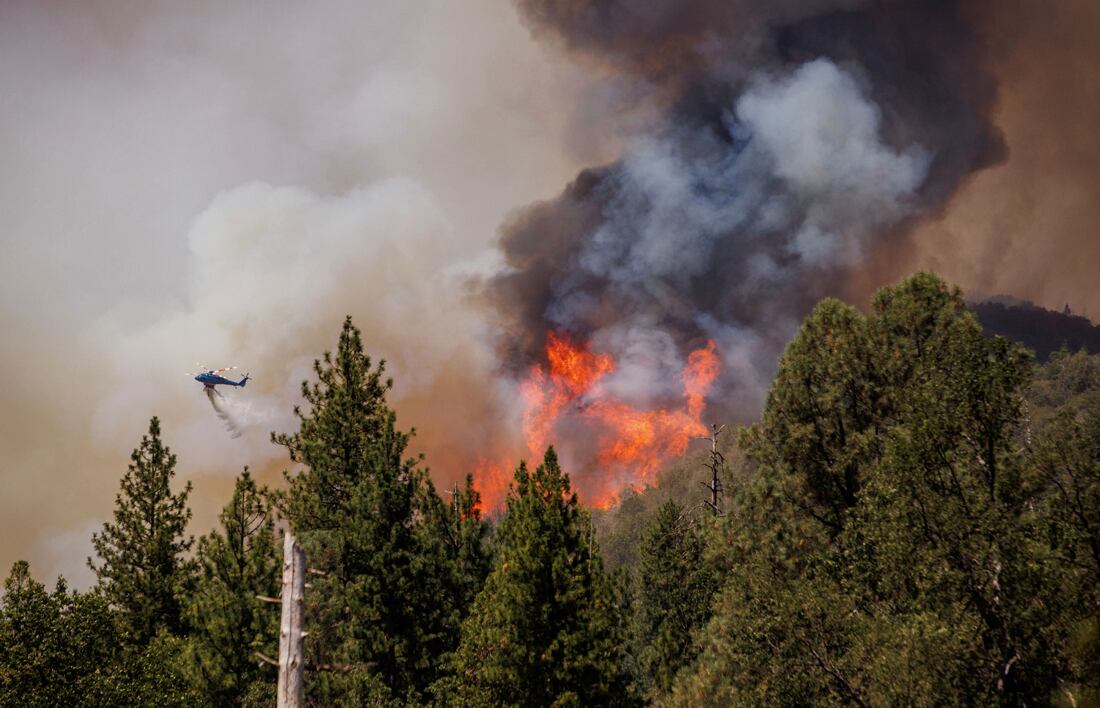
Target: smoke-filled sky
221,182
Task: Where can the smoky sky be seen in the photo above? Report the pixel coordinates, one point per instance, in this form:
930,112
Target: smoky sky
787,140
224,182
1029,227
219,183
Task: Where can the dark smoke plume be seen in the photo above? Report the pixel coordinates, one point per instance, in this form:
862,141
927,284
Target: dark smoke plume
791,139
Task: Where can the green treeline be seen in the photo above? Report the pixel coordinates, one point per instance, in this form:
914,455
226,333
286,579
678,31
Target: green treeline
915,520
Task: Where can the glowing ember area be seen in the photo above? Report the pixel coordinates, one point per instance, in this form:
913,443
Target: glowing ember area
565,404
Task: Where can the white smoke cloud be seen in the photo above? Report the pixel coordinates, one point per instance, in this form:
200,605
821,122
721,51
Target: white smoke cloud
800,181
220,182
818,132
274,268
67,552
810,168
648,362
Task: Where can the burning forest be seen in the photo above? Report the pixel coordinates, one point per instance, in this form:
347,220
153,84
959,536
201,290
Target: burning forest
782,148
568,399
660,380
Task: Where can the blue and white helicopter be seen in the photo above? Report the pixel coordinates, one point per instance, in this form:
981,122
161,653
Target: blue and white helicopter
212,377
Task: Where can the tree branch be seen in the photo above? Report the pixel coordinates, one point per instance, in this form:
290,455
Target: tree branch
266,659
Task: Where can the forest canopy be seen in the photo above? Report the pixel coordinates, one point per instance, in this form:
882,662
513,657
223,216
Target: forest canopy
914,519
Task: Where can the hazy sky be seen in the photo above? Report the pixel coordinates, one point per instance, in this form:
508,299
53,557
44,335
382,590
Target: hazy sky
221,182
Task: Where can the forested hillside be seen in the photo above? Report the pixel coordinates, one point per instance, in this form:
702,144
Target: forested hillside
915,519
1041,330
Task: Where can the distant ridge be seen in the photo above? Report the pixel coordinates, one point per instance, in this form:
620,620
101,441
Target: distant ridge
1039,329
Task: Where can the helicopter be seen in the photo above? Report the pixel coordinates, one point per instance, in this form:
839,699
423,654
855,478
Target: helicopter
212,377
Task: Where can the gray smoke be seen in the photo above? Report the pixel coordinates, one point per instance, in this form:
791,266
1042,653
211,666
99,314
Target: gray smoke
789,140
226,182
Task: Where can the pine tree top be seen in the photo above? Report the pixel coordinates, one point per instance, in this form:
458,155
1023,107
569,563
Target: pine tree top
143,550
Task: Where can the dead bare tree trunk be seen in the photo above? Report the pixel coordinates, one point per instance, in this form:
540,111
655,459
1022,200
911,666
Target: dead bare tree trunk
290,626
714,464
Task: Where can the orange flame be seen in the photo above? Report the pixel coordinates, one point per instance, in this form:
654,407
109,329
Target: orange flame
573,372
492,478
631,445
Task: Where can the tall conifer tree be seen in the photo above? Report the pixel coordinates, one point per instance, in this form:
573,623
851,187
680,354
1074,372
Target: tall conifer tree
548,627
228,624
388,609
884,553
143,565
467,537
675,590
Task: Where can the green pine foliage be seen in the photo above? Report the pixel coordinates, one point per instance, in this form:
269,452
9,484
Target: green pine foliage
227,624
66,648
51,644
143,567
675,590
914,520
1067,472
153,676
1068,383
387,611
885,553
620,529
467,536
549,627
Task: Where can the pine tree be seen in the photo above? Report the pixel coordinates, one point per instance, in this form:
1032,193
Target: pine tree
467,535
68,649
143,566
675,590
1066,462
227,623
886,548
51,643
388,609
548,627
